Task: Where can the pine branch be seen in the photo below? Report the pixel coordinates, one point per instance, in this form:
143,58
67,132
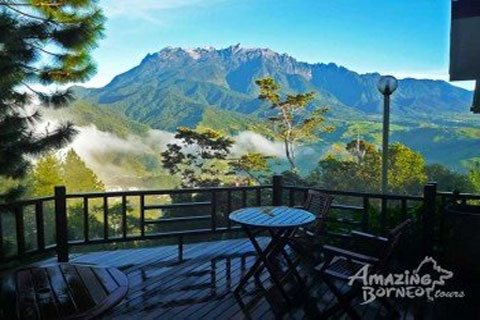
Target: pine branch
40,4
27,14
46,51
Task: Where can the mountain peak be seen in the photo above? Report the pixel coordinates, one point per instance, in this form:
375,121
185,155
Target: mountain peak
199,52
226,78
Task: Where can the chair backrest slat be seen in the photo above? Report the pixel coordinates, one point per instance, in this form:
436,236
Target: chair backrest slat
393,238
318,203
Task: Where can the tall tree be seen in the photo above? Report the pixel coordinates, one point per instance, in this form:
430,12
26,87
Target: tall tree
292,122
357,169
46,174
360,170
449,180
44,42
77,176
202,158
406,169
474,175
197,157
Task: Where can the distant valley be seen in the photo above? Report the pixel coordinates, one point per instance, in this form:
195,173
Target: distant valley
206,87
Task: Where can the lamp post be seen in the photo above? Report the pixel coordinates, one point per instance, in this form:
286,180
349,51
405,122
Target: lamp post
387,86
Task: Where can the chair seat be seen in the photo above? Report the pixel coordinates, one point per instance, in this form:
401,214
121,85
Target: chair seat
341,267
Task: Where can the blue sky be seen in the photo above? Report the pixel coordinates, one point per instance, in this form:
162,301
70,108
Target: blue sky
400,37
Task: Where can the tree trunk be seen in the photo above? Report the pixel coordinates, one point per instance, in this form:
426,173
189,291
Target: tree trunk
290,156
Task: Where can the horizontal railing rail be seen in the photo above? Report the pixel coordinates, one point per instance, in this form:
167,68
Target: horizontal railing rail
162,191
36,226
371,195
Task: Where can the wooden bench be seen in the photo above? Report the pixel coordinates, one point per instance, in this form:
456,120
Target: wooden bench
61,291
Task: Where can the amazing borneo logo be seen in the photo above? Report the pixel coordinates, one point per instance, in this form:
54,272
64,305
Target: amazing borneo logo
426,280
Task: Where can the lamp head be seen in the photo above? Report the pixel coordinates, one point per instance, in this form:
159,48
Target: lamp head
387,85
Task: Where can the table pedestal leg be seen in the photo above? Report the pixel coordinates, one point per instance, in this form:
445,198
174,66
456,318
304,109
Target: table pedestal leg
277,245
263,258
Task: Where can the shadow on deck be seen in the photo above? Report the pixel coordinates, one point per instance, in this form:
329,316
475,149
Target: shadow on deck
201,286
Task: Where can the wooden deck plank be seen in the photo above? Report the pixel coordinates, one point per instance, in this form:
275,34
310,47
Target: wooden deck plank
223,289
158,290
153,281
224,276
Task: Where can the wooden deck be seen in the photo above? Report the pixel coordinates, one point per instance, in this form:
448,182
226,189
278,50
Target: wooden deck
200,287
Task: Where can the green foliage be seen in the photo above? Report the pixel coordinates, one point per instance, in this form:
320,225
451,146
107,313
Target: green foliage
406,170
202,159
199,157
82,113
360,169
449,180
232,122
291,121
42,42
474,176
254,164
95,224
47,174
77,176
72,172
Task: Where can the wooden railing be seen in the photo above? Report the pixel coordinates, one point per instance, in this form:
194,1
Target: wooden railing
17,212
211,207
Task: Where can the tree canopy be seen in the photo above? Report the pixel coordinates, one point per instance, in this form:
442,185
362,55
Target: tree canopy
43,42
203,158
72,172
77,176
292,123
360,170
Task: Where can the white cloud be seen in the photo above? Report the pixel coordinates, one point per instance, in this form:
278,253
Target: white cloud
91,141
247,141
92,144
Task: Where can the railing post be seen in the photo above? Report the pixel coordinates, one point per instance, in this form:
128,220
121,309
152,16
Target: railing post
61,223
277,198
365,217
39,225
214,210
429,197
180,249
20,230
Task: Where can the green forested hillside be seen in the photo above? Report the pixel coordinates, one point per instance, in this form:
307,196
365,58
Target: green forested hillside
215,88
83,113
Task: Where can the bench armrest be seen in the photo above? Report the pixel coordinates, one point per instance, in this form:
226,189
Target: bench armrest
368,236
335,251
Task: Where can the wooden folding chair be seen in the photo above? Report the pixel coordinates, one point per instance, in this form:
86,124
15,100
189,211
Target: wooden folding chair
340,264
309,240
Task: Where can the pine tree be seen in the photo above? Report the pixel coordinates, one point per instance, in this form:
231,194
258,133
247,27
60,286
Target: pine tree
46,174
43,42
77,176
